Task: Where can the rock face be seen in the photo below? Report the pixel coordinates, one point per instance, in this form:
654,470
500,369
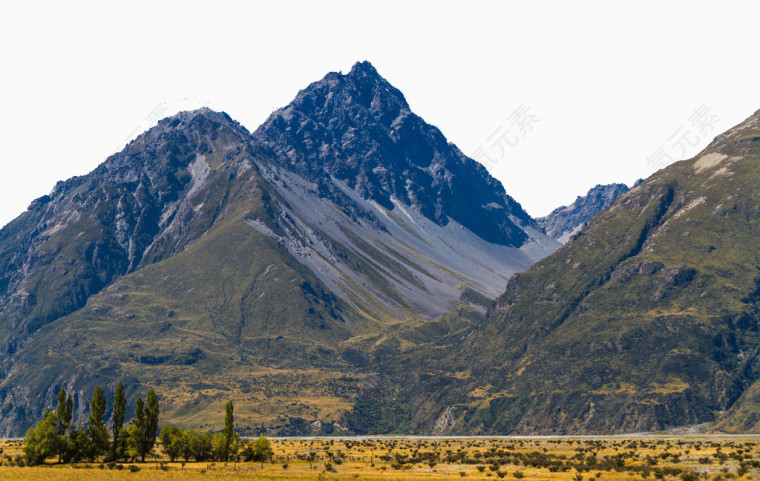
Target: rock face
358,128
568,220
202,256
648,319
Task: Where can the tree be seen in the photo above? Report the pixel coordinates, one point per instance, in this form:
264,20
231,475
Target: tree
97,433
63,414
186,444
119,410
42,441
151,422
260,450
219,442
144,427
132,437
229,430
311,457
173,441
136,431
78,445
202,445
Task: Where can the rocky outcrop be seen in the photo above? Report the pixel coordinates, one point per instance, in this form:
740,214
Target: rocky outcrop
566,221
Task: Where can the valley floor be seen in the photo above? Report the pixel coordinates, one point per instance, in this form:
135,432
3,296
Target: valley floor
683,458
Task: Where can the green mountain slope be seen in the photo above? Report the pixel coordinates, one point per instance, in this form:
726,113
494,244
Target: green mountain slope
647,319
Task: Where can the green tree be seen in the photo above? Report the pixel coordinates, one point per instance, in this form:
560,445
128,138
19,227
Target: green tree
63,414
229,430
151,422
219,442
97,433
186,444
136,431
260,450
42,441
173,441
202,445
117,420
132,437
78,445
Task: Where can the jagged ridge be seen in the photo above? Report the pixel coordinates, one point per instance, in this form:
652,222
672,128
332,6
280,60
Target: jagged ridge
563,222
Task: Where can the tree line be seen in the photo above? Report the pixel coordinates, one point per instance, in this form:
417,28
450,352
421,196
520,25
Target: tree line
56,436
224,446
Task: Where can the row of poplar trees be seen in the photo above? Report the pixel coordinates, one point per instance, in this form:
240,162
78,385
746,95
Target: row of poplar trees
56,436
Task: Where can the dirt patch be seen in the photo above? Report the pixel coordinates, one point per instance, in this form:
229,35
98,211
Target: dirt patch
709,160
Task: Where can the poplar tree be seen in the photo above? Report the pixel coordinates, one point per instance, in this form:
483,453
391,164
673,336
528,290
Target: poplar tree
137,430
119,410
97,433
229,429
63,414
151,421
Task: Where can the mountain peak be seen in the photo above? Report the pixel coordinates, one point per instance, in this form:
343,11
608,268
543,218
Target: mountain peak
358,128
186,117
363,69
363,85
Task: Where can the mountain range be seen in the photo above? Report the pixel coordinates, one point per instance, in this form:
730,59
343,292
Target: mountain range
206,255
344,268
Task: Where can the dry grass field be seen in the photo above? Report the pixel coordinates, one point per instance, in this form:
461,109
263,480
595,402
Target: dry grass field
685,458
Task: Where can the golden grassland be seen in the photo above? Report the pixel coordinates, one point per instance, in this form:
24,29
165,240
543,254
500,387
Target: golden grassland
684,458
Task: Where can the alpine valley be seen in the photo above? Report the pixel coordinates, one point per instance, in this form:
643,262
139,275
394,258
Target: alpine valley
336,271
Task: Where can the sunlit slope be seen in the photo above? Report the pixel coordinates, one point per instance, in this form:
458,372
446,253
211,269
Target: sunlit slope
648,319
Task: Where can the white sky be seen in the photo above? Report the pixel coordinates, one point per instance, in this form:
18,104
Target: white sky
604,87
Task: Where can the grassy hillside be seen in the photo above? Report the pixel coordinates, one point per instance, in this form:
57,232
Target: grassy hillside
648,319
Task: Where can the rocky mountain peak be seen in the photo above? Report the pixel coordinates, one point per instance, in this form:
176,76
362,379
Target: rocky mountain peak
364,68
358,129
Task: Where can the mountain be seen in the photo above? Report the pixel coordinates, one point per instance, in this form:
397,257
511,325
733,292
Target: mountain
648,319
282,268
358,128
564,222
